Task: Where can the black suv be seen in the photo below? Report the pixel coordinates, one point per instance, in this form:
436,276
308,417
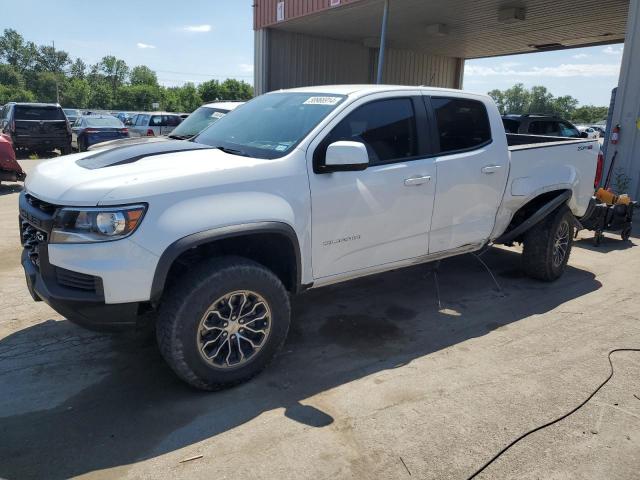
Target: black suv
545,125
39,127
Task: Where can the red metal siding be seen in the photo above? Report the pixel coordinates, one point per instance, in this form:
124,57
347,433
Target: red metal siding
264,11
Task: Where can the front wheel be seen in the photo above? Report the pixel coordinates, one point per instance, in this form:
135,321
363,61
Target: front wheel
547,246
223,322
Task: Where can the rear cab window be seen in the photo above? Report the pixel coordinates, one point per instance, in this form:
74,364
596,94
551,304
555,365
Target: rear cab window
462,124
28,112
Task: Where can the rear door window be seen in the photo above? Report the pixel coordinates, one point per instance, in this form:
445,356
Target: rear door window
142,120
462,124
568,130
510,126
156,121
386,127
24,112
171,120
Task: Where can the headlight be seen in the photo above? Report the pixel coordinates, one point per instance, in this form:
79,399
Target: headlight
85,225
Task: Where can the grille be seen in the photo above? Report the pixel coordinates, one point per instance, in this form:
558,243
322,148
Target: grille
31,239
75,280
45,207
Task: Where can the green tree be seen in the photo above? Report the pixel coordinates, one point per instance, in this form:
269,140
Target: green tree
47,85
540,100
137,97
10,93
232,89
76,93
589,114
499,98
78,69
210,91
16,52
100,96
565,106
188,97
115,72
517,99
143,75
10,77
51,60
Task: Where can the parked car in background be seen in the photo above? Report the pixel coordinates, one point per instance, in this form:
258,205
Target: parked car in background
546,125
39,127
72,114
190,127
123,116
202,118
92,129
10,170
589,131
601,129
153,124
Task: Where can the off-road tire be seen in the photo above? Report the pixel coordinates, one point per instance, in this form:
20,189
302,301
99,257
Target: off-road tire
190,295
537,254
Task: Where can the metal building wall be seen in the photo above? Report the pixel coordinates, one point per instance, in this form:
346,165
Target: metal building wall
406,67
286,60
626,111
295,60
264,13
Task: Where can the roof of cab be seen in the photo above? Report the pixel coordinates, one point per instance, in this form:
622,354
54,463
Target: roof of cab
366,89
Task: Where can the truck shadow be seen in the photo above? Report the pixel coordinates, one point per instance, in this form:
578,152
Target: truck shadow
610,243
73,402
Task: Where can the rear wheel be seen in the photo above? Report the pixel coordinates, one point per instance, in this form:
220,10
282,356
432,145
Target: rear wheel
547,246
223,322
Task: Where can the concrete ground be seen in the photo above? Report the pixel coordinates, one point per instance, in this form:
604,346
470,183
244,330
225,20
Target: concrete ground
376,381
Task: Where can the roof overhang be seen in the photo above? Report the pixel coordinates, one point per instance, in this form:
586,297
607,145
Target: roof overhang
472,28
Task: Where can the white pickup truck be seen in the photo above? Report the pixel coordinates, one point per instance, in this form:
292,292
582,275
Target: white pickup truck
294,190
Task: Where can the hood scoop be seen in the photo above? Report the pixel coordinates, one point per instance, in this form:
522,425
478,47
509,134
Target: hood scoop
133,153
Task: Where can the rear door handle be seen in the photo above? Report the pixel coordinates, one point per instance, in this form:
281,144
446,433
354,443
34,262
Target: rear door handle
489,169
414,181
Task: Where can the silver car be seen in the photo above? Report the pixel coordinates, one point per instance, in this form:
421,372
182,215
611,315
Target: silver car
153,124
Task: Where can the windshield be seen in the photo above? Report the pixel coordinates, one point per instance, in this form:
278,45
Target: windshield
271,125
197,122
103,122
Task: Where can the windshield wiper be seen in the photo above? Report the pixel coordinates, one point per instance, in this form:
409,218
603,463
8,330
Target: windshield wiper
179,137
232,151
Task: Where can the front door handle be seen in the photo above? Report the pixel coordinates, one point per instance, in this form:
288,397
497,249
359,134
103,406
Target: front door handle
489,169
414,181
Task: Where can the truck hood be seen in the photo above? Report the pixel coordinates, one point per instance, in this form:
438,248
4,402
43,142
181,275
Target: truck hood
133,173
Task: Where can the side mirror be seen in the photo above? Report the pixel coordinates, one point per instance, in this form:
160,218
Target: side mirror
584,135
344,156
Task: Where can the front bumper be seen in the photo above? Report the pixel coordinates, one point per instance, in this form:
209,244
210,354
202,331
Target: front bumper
102,286
83,308
34,141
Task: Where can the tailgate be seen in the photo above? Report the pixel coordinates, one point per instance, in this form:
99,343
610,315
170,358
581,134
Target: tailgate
41,128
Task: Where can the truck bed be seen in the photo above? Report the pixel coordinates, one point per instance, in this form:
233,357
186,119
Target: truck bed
540,164
517,141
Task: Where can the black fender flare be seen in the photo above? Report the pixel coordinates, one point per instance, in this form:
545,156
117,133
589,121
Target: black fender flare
177,248
536,218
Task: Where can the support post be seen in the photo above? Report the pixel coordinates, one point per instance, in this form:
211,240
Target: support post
383,41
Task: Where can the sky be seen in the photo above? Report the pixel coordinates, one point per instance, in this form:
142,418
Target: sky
588,74
197,40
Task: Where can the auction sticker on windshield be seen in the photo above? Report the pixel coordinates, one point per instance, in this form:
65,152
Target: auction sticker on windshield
217,115
322,100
